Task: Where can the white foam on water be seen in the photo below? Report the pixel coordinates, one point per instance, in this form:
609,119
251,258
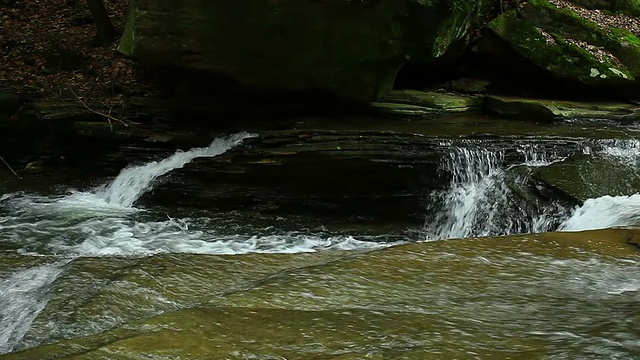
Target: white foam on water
477,201
83,224
480,201
103,222
23,295
133,182
625,151
122,237
604,212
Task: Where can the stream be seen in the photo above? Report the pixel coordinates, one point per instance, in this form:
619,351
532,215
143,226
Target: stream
482,301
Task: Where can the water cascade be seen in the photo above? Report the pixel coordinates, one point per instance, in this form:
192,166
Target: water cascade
103,221
133,182
99,218
605,212
23,295
485,199
488,193
609,211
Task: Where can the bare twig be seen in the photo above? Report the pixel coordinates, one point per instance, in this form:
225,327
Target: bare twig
10,168
107,116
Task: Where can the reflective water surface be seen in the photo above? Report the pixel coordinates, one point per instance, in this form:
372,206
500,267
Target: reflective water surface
92,274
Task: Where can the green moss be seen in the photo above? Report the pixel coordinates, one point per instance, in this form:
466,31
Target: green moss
128,39
461,15
542,3
562,51
554,54
619,42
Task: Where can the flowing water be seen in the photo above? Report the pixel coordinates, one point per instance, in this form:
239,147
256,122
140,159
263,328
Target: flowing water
24,295
481,199
488,194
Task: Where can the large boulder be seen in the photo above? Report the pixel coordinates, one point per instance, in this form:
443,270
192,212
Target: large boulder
352,49
574,43
584,177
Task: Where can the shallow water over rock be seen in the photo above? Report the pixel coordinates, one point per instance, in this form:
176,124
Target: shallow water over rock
550,295
313,244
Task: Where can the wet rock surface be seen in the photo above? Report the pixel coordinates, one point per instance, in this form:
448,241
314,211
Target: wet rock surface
547,111
585,177
333,174
412,102
367,170
384,303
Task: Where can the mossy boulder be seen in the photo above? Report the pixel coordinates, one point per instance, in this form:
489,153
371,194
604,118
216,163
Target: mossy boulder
570,45
585,177
408,302
352,49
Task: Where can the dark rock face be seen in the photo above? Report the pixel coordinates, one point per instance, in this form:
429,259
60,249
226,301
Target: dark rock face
352,49
340,176
9,103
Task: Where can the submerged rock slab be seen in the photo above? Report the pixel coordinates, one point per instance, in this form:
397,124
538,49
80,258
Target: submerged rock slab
411,301
349,48
362,176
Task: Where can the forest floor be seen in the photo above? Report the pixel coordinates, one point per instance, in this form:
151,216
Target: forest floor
47,51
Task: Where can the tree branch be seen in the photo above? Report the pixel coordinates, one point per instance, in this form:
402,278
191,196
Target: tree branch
10,168
107,116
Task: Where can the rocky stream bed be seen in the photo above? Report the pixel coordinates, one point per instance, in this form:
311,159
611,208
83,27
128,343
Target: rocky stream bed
318,240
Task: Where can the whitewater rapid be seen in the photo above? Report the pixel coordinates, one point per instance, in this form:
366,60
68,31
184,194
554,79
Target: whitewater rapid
23,295
485,197
104,221
134,181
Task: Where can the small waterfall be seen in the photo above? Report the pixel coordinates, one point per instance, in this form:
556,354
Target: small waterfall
483,199
626,152
23,295
476,178
133,182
